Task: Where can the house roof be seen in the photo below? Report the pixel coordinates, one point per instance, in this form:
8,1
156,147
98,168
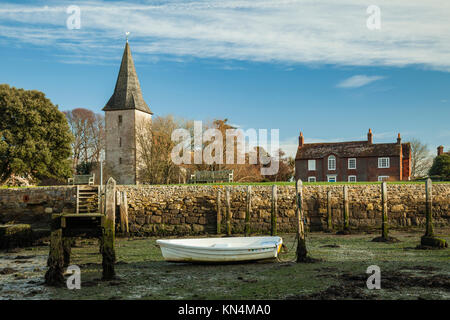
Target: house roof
351,149
127,93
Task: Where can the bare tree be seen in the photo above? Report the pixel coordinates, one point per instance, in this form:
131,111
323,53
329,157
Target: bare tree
421,159
154,142
88,129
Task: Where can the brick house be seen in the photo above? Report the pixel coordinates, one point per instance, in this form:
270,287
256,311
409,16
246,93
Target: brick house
440,151
353,161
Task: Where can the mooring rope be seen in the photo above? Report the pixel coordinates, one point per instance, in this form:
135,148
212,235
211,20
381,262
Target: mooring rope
293,244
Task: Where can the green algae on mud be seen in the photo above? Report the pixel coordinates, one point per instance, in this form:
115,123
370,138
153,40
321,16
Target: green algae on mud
143,274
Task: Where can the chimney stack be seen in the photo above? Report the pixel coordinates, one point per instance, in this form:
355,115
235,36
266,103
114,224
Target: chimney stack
300,140
399,139
440,150
369,136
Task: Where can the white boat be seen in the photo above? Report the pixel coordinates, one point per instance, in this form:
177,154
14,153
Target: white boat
220,249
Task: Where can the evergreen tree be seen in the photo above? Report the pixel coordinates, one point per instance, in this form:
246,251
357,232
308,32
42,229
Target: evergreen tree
441,167
34,136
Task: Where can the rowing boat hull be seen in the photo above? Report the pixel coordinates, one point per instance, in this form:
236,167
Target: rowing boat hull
220,249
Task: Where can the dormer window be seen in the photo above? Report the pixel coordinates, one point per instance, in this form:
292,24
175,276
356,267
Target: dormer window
331,163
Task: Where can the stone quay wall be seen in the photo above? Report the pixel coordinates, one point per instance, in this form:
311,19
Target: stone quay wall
192,209
35,204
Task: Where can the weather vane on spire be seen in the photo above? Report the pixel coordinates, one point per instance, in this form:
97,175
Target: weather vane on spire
127,34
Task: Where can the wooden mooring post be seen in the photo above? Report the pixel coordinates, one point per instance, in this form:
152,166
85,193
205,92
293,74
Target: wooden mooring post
274,211
248,211
384,205
346,228
218,213
384,217
123,208
228,206
108,230
67,249
329,212
429,232
429,239
55,262
301,235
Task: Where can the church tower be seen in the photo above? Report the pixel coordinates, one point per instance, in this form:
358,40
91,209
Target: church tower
125,112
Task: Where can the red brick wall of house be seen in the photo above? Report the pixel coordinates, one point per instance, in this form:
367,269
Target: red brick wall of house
366,169
406,168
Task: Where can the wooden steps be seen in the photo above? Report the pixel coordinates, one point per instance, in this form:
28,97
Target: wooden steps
87,199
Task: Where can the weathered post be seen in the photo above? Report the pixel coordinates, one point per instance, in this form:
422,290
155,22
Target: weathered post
384,219
55,262
219,214
107,242
67,249
124,213
248,211
274,211
301,236
429,239
346,210
125,201
429,208
384,222
329,212
228,204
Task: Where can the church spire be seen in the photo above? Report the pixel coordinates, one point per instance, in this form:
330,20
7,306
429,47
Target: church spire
127,93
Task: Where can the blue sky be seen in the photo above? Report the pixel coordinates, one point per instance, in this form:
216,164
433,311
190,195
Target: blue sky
291,65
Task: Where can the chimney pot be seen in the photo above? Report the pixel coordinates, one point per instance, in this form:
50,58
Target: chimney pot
300,140
370,136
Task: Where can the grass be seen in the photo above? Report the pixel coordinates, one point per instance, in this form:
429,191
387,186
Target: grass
406,273
285,183
17,187
279,183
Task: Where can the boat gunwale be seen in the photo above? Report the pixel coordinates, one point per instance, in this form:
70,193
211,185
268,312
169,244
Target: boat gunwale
165,243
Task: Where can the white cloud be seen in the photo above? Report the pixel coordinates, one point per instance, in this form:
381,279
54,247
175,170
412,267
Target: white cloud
412,32
358,81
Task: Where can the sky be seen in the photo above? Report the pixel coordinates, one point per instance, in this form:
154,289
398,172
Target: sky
320,67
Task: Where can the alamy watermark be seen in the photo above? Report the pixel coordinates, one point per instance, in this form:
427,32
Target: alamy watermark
74,19
207,147
74,280
374,280
374,20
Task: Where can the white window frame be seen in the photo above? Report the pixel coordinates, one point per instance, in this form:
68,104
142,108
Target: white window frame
383,178
386,165
352,176
312,165
312,179
349,163
333,159
333,177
